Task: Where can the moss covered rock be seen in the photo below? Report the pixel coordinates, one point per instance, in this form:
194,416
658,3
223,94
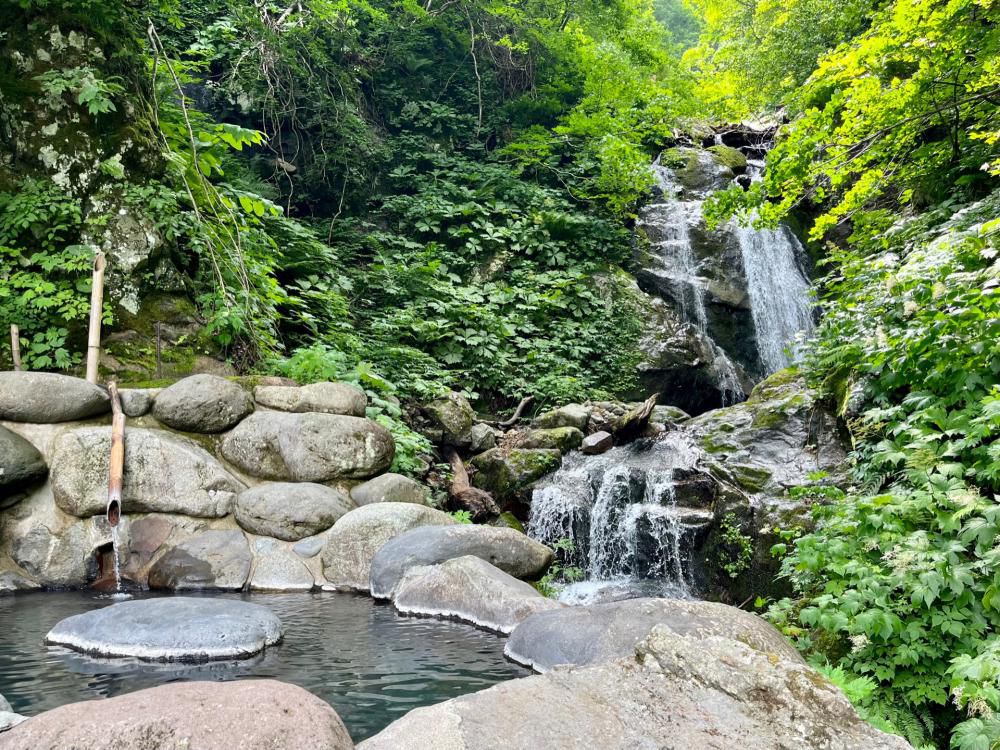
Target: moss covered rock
504,473
562,439
730,158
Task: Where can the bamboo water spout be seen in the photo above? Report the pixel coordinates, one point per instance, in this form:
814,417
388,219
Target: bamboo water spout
116,474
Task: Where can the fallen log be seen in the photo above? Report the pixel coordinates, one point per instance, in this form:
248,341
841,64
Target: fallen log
463,496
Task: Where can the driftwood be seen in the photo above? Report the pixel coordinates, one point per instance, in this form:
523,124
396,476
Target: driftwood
15,346
631,424
525,402
116,475
463,496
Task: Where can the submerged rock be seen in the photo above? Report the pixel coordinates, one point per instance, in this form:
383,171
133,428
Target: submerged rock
390,488
290,510
325,398
507,549
202,403
20,465
207,560
196,715
46,397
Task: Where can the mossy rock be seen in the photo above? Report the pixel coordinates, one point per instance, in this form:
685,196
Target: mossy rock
749,478
730,157
563,439
505,473
511,521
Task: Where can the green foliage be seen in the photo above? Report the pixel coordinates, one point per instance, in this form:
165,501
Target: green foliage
462,516
735,548
560,572
86,85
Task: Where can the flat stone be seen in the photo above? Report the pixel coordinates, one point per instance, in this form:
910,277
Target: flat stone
202,403
21,464
207,560
352,543
277,568
390,488
325,398
164,473
599,442
236,715
290,510
602,632
46,397
507,549
472,590
308,447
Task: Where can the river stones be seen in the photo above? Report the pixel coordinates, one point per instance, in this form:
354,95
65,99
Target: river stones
202,403
207,560
602,632
670,691
164,473
237,715
352,543
176,628
308,447
326,398
506,548
277,568
470,589
563,439
390,488
599,442
290,510
46,397
20,464
137,402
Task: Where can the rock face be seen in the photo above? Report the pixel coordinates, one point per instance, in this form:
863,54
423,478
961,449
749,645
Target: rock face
20,464
672,692
290,510
470,589
308,447
196,715
208,560
164,473
175,628
46,397
507,549
390,488
325,398
353,542
202,403
505,473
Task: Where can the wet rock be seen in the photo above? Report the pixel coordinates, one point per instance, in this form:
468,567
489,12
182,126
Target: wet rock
571,415
202,403
481,438
207,560
325,398
290,510
137,402
669,415
353,542
47,397
669,692
507,549
176,628
11,583
20,465
195,715
562,439
164,473
9,719
603,632
390,488
308,447
599,442
450,419
469,589
505,472
277,568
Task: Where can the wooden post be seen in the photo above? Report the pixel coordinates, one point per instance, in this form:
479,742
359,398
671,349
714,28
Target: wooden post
96,308
116,475
15,346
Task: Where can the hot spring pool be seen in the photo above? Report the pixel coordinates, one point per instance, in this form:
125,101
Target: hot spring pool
368,662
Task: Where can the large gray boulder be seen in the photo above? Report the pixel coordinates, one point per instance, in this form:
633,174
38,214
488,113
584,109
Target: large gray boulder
390,488
238,715
472,590
47,397
20,465
164,473
207,560
570,415
202,403
672,691
309,447
290,510
175,628
352,543
603,632
326,398
506,548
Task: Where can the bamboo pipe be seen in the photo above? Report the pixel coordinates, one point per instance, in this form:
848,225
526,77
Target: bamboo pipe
116,475
15,346
96,308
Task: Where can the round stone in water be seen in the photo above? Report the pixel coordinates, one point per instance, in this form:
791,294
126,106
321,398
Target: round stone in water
190,629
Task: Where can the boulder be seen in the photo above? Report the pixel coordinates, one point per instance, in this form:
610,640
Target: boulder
507,549
277,568
353,542
11,583
599,442
46,397
603,632
670,692
310,546
571,415
164,473
137,402
290,510
20,465
562,439
469,589
207,560
451,419
175,628
390,488
308,447
8,719
237,715
202,403
325,398
505,472
481,438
